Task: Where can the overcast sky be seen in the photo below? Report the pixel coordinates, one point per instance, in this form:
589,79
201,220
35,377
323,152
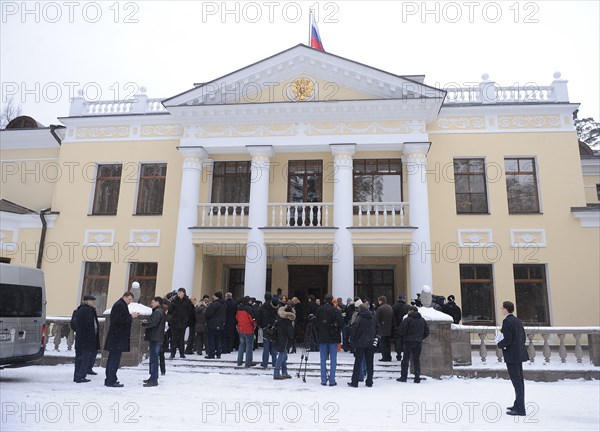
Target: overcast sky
49,50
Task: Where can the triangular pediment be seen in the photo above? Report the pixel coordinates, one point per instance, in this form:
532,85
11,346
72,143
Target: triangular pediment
302,74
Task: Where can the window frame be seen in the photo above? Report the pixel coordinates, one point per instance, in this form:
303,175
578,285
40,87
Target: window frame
142,279
84,290
546,296
141,178
469,175
97,184
355,162
535,182
482,281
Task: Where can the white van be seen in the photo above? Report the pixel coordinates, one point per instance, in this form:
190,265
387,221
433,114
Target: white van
22,315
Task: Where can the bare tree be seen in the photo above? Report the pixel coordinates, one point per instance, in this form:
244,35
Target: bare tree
10,110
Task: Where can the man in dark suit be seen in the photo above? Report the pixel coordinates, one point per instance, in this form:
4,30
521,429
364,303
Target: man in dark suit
512,343
87,342
118,337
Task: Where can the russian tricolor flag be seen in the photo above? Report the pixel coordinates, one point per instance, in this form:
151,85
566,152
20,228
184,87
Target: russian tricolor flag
315,37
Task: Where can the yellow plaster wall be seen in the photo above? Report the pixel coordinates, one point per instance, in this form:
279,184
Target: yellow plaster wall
572,253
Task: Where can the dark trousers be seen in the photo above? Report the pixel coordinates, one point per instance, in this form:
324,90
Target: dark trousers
386,348
199,341
367,355
92,361
515,372
189,349
214,346
161,362
154,352
177,341
82,363
112,366
411,349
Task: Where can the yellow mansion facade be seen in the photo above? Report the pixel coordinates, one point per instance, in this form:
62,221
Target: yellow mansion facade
310,173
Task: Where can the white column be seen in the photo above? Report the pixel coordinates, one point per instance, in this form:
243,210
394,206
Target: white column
343,256
183,261
418,206
255,278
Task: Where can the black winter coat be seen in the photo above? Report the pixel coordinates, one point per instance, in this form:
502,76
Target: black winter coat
513,344
285,330
182,310
230,321
329,324
267,314
200,312
86,334
453,310
155,329
364,329
400,310
119,331
311,309
215,315
385,316
414,328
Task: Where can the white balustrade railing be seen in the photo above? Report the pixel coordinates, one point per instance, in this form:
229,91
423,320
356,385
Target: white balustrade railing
381,214
301,215
140,104
538,338
529,93
222,215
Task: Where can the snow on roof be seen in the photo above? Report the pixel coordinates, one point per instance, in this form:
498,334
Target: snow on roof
430,314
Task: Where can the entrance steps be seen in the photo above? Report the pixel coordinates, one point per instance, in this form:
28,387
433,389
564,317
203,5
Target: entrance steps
227,365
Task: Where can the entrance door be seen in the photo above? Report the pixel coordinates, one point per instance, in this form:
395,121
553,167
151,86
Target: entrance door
304,280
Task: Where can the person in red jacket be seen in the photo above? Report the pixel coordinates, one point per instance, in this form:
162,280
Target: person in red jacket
245,326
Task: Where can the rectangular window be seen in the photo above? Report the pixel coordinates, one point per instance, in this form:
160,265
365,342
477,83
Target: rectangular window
305,185
95,282
106,193
145,273
521,185
231,183
477,294
19,301
151,191
469,186
531,294
377,180
372,283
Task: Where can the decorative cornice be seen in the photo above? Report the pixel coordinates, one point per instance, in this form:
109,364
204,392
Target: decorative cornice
93,132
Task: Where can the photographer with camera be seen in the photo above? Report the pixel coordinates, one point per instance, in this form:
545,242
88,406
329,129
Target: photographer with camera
329,330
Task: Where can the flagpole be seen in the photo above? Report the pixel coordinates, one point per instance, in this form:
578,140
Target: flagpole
310,20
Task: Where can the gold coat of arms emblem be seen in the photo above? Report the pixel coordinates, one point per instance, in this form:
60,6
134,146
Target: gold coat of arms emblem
303,89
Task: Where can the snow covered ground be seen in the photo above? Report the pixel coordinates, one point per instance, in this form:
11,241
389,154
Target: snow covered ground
45,398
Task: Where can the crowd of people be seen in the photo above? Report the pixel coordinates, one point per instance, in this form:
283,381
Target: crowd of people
223,325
